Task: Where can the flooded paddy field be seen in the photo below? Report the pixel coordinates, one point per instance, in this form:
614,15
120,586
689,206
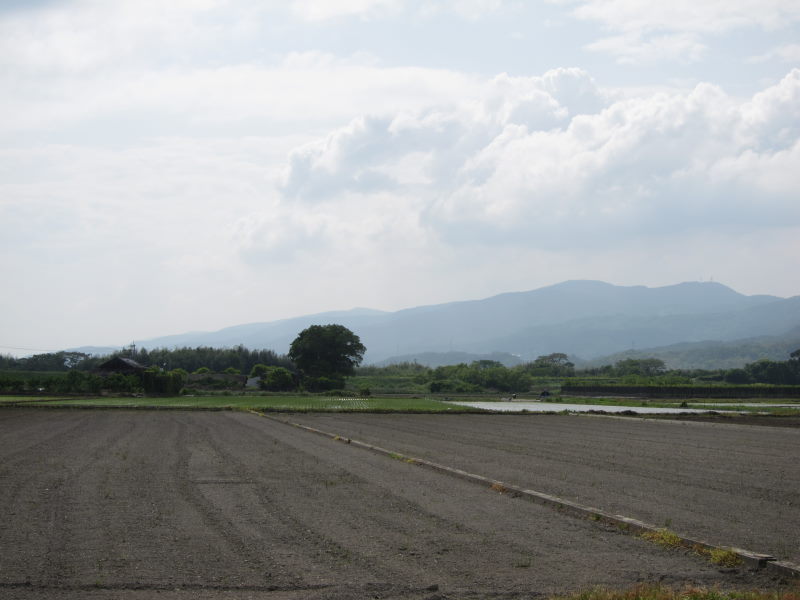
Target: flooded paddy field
130,504
517,406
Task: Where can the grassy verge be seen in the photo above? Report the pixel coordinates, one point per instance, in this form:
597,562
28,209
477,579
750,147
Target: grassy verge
266,403
657,592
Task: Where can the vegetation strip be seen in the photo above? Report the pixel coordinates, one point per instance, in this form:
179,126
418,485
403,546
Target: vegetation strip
625,524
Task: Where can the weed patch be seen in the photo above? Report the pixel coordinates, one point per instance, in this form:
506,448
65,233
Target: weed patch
719,556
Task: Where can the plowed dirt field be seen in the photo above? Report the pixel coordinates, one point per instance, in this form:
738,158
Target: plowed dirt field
137,504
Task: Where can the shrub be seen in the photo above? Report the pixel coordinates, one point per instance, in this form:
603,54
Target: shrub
277,379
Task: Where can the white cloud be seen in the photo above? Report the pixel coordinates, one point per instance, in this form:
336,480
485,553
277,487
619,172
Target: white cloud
633,48
88,35
711,16
325,10
321,10
771,120
654,31
305,89
789,53
468,9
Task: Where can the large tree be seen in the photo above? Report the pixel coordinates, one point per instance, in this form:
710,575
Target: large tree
327,351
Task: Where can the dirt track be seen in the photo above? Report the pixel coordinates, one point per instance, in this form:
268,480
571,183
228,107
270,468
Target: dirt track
122,504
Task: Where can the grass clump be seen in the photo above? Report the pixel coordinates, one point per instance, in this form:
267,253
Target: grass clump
663,537
724,558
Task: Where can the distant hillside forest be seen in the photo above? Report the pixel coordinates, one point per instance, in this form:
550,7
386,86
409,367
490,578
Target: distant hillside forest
407,377
488,375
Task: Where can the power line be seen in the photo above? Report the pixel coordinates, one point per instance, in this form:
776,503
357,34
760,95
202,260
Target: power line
29,349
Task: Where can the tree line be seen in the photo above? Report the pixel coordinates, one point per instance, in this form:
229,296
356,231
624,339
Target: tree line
321,357
487,375
188,359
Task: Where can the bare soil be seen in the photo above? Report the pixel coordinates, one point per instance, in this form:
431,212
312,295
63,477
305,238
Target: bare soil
739,419
178,505
728,484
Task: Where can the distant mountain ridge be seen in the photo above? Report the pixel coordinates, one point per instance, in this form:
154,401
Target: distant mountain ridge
586,319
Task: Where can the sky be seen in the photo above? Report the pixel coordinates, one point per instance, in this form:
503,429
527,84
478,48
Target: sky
189,165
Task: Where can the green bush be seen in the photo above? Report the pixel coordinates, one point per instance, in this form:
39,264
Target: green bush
278,379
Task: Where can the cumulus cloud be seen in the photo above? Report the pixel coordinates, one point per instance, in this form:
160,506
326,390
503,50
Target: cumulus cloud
366,154
531,163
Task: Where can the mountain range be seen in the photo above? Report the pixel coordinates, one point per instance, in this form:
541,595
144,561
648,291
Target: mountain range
584,319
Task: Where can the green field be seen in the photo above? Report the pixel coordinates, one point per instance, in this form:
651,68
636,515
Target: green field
311,403
266,403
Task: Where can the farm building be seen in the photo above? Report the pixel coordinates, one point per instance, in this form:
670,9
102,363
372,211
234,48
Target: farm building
119,364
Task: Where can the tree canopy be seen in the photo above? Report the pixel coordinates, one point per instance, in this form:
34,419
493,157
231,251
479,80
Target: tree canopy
327,351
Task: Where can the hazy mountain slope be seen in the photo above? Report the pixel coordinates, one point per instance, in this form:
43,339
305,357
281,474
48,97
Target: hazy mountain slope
584,318
274,335
712,355
439,359
592,337
587,318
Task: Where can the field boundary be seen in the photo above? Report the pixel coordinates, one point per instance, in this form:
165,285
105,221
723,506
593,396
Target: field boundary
628,525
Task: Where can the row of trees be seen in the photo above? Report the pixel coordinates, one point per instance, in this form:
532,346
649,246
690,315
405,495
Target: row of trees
319,359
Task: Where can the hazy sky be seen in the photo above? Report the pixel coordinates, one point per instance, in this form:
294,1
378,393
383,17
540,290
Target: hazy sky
194,164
